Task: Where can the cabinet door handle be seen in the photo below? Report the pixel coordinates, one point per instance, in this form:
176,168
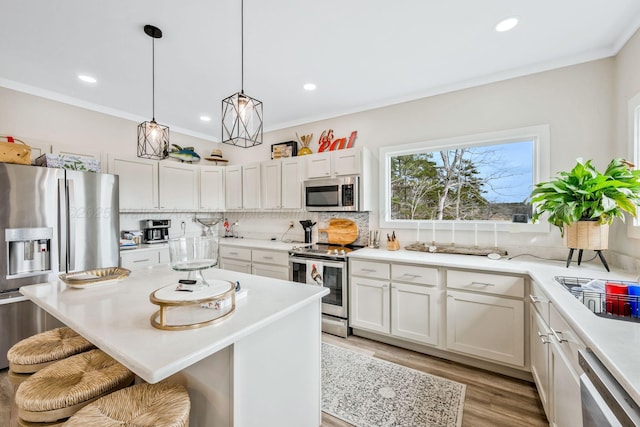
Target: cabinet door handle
558,336
544,338
267,257
385,286
142,260
534,299
368,270
482,284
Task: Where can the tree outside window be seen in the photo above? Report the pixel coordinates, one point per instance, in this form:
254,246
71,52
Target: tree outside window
472,183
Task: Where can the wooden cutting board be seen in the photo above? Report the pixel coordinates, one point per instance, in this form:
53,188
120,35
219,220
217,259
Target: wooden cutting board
341,231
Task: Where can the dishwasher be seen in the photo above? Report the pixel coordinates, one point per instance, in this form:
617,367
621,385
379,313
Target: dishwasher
604,402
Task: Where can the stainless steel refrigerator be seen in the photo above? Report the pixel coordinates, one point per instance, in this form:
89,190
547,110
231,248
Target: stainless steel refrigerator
52,221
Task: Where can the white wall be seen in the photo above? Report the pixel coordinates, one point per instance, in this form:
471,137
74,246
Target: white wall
578,103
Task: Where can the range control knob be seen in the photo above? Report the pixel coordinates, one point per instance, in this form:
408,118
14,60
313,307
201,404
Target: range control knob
342,252
335,252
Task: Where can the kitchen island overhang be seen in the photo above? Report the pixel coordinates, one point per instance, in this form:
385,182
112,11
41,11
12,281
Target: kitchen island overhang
263,361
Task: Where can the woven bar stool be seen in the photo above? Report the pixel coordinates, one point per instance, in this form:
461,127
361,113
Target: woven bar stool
41,350
58,391
144,405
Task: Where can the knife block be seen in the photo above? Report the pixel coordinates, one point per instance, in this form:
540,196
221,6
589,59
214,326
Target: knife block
393,245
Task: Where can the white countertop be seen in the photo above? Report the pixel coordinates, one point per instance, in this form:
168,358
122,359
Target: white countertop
275,245
116,316
615,342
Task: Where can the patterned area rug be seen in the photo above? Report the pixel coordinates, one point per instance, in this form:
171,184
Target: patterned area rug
370,392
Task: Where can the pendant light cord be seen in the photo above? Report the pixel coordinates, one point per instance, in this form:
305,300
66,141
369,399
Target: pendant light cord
242,46
153,79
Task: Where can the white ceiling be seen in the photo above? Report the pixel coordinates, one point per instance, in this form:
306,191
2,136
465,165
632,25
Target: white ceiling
361,54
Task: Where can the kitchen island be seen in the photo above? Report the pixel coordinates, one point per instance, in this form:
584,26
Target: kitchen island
259,366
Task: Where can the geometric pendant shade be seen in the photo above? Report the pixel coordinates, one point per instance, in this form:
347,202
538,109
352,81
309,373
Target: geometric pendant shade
241,120
241,114
153,139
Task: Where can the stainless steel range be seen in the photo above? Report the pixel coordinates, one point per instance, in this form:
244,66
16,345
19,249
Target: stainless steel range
325,265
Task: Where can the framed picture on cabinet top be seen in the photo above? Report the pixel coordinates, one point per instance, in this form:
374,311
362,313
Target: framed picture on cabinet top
284,149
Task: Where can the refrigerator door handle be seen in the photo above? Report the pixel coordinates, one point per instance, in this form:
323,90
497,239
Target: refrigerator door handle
71,225
63,226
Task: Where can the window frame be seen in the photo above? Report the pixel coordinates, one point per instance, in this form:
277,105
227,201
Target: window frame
539,134
633,125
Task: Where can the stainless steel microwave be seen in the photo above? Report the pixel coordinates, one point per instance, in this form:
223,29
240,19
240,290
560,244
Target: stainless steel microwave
337,194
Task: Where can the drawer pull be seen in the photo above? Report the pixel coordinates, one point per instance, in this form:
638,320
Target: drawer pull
141,260
482,284
558,336
267,257
368,270
233,253
544,338
534,299
413,276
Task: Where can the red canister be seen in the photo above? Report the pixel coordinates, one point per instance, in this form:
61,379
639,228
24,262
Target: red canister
616,299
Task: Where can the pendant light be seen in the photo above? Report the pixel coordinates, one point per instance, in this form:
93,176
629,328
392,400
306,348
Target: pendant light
153,138
241,114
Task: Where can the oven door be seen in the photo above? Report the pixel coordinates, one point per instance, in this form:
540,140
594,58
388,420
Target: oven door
333,277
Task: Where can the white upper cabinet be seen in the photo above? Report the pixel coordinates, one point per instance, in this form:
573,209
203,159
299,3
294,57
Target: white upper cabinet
318,165
179,186
282,183
251,186
272,184
212,194
138,182
292,178
351,161
347,162
233,187
243,186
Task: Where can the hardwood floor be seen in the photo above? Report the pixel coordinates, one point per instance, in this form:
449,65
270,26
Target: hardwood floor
491,400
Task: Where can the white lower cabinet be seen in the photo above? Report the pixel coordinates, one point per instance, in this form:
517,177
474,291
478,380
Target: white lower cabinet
274,264
235,259
370,304
539,346
414,312
141,258
564,373
260,262
486,326
381,302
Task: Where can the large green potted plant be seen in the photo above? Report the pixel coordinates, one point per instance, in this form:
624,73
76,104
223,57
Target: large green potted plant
583,202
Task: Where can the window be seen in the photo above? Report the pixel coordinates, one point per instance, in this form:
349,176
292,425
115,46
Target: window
476,178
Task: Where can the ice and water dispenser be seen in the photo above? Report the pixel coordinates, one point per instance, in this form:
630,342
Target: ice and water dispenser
28,250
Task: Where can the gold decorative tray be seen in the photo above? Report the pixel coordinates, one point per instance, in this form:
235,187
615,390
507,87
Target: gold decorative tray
190,310
80,279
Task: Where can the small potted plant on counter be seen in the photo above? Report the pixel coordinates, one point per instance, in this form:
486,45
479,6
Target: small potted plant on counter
583,202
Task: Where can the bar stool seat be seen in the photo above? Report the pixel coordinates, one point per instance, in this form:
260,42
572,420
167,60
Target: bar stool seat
61,389
143,405
41,350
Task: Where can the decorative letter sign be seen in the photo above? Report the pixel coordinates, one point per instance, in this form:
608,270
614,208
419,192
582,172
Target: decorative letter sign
326,143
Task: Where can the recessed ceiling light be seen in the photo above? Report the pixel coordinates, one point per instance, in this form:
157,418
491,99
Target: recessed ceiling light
309,86
87,79
506,24
205,118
